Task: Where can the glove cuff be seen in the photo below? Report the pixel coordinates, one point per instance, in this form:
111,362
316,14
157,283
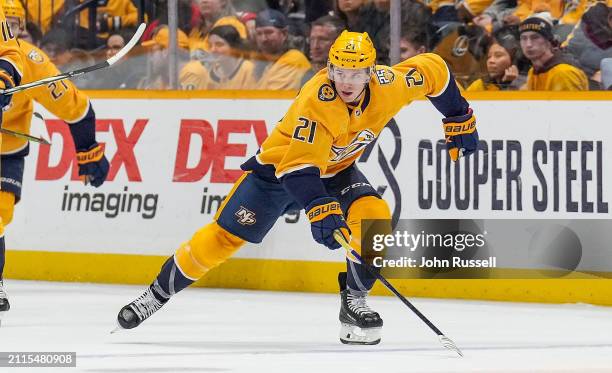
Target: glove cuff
93,154
459,125
321,208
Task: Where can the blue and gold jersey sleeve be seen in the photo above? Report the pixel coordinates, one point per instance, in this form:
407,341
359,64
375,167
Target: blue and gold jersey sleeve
428,75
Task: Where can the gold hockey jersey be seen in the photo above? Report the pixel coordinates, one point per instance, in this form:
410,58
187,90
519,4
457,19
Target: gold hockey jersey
61,98
320,131
11,67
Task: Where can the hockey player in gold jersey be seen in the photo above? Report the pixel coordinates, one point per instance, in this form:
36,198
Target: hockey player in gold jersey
11,72
308,162
62,99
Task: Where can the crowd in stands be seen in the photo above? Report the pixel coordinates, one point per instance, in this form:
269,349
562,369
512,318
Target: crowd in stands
554,45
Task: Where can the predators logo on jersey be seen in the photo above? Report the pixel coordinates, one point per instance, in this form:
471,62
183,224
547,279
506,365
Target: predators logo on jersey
358,144
327,93
385,76
245,216
36,57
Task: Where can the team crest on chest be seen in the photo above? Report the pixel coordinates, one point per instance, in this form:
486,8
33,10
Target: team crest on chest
35,56
359,143
385,76
327,93
245,216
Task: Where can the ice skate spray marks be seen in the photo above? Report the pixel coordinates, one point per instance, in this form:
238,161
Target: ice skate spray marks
110,204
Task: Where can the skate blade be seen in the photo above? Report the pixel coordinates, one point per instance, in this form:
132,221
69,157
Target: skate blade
118,328
354,335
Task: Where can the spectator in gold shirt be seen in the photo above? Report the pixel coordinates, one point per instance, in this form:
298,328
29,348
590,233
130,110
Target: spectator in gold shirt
277,66
551,69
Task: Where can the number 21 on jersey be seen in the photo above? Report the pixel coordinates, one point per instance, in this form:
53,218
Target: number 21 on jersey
305,131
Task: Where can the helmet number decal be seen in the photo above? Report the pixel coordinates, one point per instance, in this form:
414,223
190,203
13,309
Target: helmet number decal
414,78
309,126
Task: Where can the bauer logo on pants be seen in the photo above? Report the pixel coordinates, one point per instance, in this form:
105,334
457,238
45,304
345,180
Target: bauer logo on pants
245,216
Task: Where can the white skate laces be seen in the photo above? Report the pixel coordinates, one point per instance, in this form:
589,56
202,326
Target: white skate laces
358,304
145,305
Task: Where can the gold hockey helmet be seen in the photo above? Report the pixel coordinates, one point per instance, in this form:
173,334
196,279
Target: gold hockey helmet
14,8
353,50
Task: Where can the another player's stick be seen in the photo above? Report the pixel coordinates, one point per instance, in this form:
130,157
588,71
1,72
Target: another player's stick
71,74
446,342
40,140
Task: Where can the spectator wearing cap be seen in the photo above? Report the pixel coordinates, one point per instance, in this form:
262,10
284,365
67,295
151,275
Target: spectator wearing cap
228,69
157,76
277,66
503,57
214,13
551,69
323,33
591,41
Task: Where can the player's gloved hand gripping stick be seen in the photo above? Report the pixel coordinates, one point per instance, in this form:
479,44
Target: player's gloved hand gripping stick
353,255
326,218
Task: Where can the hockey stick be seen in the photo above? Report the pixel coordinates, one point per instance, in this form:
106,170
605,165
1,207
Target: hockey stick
444,340
71,74
40,140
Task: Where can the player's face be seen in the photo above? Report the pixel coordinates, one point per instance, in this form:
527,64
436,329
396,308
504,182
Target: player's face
321,39
498,60
270,39
534,45
349,82
408,49
15,25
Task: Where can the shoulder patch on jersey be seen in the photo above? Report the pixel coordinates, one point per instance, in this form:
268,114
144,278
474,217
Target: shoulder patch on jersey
385,76
35,56
414,78
327,93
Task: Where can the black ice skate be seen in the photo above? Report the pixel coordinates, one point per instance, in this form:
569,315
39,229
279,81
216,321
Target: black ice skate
139,310
359,324
4,303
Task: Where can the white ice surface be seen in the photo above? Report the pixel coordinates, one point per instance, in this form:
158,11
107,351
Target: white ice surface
205,330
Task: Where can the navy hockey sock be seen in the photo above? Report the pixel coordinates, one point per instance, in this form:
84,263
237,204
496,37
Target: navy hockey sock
358,278
2,254
169,281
